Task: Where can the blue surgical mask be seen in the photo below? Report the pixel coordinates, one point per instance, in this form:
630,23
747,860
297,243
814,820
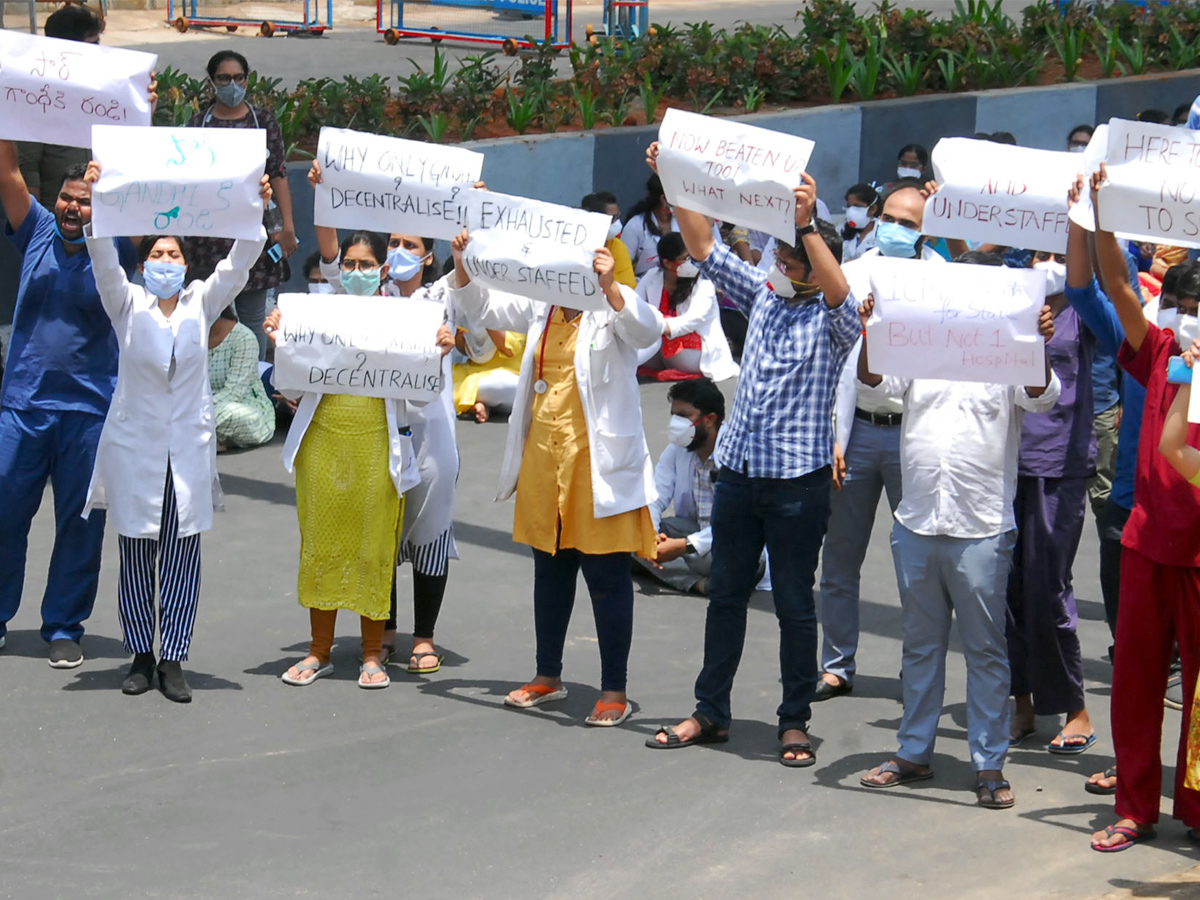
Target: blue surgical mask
163,279
66,240
893,239
231,94
402,265
361,283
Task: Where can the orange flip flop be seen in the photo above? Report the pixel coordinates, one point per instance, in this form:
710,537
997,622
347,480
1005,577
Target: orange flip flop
542,693
601,708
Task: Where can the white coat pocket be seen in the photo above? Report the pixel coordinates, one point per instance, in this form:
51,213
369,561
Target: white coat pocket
619,452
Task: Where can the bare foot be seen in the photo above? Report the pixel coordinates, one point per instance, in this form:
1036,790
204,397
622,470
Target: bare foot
520,696
875,776
795,736
481,413
1107,839
308,675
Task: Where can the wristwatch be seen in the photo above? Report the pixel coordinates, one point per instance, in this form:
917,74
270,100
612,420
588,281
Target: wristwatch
688,549
810,228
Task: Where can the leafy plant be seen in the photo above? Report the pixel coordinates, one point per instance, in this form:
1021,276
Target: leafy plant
865,70
950,66
651,97
435,125
619,109
1069,44
908,71
753,98
585,100
838,66
523,108
1182,53
1134,53
422,86
1105,42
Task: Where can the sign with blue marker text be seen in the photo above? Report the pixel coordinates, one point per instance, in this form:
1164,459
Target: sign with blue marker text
534,249
53,91
957,322
195,182
393,185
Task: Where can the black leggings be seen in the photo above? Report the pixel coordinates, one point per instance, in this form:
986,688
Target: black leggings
428,591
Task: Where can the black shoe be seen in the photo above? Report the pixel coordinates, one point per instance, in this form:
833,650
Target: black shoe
65,654
141,675
827,691
172,683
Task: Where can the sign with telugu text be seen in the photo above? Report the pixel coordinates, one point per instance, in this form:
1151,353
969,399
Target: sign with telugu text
366,346
53,90
393,185
183,181
1000,194
538,250
957,322
732,171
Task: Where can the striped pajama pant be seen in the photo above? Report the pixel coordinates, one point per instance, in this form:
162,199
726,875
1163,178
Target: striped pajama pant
179,579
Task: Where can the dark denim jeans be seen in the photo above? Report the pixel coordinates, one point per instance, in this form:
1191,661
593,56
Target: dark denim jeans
789,516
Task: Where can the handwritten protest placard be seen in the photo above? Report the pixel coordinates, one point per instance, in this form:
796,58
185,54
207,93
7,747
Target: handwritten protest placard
184,181
1082,213
393,185
958,322
538,250
366,346
54,91
997,193
1153,187
735,172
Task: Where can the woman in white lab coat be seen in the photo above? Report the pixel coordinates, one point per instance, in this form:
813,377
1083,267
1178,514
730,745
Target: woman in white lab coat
577,459
156,464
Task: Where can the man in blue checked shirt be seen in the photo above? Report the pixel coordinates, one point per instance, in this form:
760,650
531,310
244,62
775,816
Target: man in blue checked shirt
775,455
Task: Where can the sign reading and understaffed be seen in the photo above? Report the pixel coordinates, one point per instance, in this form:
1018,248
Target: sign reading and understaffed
538,250
183,181
367,346
1153,187
732,171
53,91
393,185
957,322
1000,194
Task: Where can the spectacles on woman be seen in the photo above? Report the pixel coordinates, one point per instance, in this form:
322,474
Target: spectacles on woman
366,265
224,79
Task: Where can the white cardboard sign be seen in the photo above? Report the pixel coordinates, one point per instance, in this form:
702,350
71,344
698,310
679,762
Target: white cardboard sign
535,249
1000,194
393,185
1082,213
183,181
732,171
366,346
53,91
957,322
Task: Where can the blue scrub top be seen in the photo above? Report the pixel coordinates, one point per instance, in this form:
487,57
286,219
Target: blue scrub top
63,351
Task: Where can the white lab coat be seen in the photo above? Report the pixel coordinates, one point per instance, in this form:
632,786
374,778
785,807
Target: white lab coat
673,484
162,408
698,314
606,372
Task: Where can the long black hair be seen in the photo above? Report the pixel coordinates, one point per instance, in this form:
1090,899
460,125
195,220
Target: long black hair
671,246
648,204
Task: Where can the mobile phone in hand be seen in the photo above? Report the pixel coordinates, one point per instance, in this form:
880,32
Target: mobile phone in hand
1178,371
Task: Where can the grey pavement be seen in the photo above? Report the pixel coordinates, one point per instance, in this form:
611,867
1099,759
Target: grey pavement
432,788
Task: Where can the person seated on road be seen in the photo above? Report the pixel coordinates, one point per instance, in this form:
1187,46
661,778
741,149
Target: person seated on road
487,387
244,414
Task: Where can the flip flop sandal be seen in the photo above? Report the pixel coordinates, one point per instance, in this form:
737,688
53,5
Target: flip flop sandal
1100,789
1021,735
992,787
796,762
542,693
710,733
601,708
320,668
372,669
903,776
1065,749
424,670
1132,836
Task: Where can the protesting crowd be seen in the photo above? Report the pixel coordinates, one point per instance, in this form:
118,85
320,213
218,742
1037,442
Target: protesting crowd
134,360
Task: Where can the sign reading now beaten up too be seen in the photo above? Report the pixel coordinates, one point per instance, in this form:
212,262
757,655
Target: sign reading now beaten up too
367,346
732,171
538,250
393,185
54,91
957,322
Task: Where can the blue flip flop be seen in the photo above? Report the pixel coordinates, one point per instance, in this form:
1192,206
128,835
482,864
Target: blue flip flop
1065,749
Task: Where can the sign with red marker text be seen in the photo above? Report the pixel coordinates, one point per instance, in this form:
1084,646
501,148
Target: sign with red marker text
732,171
957,322
54,91
1153,187
1000,194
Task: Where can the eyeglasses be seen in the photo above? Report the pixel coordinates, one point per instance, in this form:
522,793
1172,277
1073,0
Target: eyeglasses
363,265
223,80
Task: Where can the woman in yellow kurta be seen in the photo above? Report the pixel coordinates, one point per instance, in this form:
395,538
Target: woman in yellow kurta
579,464
483,388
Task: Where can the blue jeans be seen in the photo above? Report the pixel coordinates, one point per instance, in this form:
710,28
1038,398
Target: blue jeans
788,516
36,445
872,466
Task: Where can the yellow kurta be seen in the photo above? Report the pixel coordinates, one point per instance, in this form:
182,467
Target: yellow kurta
555,485
468,375
350,515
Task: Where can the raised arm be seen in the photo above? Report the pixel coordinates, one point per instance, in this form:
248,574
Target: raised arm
14,193
826,269
327,239
1115,274
694,226
232,273
113,286
484,308
865,375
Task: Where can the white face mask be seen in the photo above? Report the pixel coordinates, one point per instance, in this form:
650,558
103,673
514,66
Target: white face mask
680,431
858,216
1056,276
1168,319
780,283
1076,149
687,269
614,230
320,287
906,172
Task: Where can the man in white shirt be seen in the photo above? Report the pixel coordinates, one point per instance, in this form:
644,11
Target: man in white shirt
686,479
952,543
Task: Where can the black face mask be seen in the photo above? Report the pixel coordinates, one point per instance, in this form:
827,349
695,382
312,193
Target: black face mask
700,438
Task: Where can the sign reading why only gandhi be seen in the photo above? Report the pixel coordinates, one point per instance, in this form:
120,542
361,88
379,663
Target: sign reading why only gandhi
185,181
538,250
367,346
53,91
734,172
1000,194
957,322
1153,187
392,185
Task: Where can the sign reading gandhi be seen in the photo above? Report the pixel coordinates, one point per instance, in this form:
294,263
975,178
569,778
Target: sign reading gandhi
392,185
734,172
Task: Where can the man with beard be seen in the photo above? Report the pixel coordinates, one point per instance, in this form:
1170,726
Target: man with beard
58,382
